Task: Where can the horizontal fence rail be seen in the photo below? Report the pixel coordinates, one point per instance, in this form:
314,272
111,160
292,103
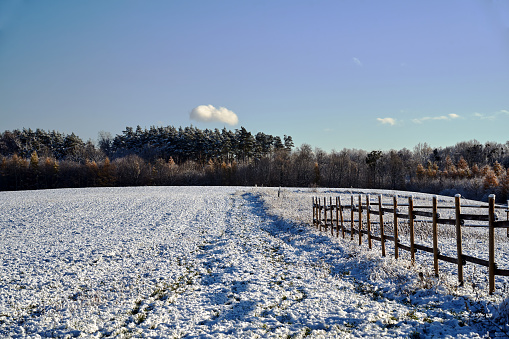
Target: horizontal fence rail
333,215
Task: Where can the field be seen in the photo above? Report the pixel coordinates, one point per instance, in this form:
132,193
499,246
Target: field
223,262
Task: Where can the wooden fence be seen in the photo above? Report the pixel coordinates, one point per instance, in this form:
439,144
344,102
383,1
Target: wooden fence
335,216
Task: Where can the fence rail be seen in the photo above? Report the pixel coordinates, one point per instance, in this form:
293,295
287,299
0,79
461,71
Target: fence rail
333,216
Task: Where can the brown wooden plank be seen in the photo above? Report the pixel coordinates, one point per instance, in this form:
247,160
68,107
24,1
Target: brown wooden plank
474,226
448,259
388,237
505,273
403,215
446,207
424,213
372,211
423,207
423,248
404,247
474,260
446,221
479,217
388,210
501,224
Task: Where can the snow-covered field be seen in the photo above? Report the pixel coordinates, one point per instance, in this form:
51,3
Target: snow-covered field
219,262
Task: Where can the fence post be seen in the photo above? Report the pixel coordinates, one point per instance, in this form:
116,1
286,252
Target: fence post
457,199
411,222
324,213
381,217
507,216
331,217
341,216
337,218
435,235
351,219
360,220
368,220
314,209
396,250
492,266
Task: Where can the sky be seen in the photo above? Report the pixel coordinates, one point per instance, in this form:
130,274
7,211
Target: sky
372,75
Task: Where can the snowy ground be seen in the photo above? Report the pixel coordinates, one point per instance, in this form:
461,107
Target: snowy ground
212,262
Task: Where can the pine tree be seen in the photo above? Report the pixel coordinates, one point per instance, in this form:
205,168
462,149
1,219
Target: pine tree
421,172
463,169
504,182
475,170
450,170
498,169
34,170
92,172
316,179
106,174
490,180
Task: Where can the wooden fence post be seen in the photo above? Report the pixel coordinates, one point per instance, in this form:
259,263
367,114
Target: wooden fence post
320,213
411,222
396,250
317,214
507,216
314,210
341,216
351,219
492,266
337,218
360,220
457,199
381,217
331,218
435,234
324,213
368,220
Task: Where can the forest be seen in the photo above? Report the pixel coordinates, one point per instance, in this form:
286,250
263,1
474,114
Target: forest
190,156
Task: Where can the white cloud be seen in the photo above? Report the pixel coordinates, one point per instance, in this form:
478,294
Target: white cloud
210,113
491,116
441,117
357,61
387,121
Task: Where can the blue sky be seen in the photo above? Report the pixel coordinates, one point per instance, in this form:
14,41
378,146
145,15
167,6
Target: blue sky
332,74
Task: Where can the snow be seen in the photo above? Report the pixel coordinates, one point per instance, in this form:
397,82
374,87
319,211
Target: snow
220,262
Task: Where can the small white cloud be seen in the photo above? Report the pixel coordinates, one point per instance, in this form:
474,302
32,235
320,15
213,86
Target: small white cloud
387,121
491,116
209,113
441,117
357,61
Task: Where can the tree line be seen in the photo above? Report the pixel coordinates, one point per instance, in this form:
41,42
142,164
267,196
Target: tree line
190,156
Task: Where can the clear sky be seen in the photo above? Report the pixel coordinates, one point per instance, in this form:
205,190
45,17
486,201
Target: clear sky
333,74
